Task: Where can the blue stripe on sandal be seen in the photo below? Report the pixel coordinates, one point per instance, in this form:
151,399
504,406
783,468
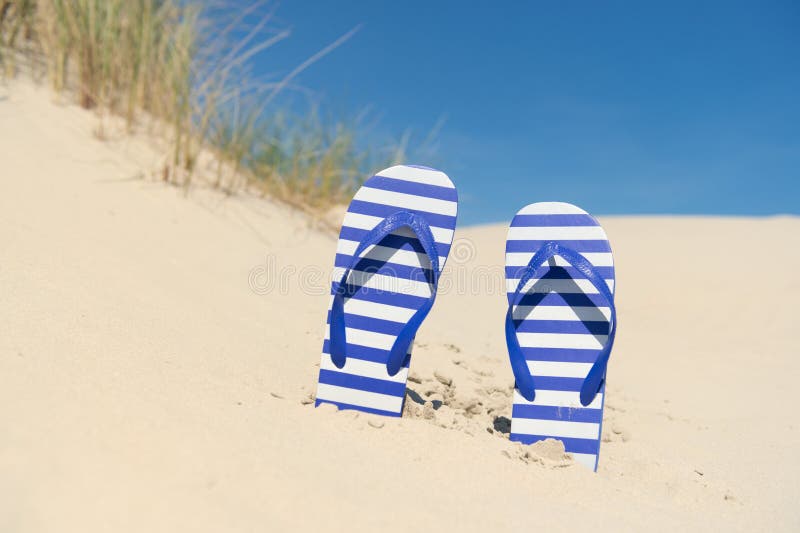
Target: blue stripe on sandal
560,326
393,244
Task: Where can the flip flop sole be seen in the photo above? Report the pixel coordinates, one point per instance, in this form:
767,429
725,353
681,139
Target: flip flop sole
562,323
386,287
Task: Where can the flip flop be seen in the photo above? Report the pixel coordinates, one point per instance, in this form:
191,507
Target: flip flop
560,326
393,245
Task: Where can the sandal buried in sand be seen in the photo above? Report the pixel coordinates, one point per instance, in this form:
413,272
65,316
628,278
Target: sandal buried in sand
394,241
560,326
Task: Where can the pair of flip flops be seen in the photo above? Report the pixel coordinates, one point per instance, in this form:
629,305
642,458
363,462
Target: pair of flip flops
560,323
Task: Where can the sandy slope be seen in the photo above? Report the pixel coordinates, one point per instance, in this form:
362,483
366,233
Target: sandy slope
151,379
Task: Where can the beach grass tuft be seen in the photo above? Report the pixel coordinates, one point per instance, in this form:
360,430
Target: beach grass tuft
153,61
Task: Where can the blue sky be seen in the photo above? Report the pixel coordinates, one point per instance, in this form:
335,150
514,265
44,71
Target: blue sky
636,107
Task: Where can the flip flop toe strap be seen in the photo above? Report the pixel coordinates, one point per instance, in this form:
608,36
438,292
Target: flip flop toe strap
594,379
399,350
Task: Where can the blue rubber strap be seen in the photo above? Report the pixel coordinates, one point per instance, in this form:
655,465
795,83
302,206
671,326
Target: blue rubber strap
338,336
594,379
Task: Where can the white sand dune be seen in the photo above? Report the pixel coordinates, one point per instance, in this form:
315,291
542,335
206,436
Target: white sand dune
151,379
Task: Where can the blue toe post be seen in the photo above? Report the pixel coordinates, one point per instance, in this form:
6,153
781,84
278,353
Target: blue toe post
399,350
594,379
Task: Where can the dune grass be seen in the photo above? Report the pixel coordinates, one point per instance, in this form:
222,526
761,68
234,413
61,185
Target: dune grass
154,59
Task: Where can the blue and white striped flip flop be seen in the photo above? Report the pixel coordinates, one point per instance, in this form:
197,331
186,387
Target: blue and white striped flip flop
560,325
394,241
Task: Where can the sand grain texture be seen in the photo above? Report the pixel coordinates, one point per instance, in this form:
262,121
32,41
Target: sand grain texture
145,386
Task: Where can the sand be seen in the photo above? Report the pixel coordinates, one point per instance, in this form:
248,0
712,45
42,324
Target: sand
158,352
